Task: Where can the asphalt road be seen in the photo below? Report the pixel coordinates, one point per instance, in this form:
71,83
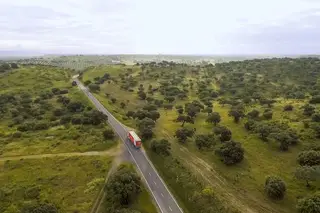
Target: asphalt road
160,192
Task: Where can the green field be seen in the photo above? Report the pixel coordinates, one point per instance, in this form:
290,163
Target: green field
69,183
240,186
54,155
34,82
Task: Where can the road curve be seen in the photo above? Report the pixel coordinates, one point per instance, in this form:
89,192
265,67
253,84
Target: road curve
157,187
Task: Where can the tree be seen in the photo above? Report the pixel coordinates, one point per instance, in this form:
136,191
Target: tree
214,118
315,99
154,115
170,99
285,138
249,125
231,152
122,105
108,134
180,110
150,107
316,117
264,131
185,119
275,187
4,67
142,95
96,117
161,147
146,133
236,115
225,134
113,100
309,204
123,186
308,110
94,87
146,123
309,158
288,107
14,66
308,173
130,114
208,110
87,82
192,110
183,133
75,106
253,114
39,208
204,141
268,115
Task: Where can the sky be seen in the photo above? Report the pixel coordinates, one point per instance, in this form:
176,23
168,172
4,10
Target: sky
198,27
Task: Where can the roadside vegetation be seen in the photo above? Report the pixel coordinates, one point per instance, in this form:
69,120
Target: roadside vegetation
126,193
42,113
238,136
64,184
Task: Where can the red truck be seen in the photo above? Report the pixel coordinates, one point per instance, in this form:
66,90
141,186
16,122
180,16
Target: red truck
134,139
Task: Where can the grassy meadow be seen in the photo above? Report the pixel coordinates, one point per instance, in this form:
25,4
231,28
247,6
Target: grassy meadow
240,186
42,113
70,183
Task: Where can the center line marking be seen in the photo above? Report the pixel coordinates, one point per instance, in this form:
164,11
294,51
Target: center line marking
170,208
149,174
162,195
155,183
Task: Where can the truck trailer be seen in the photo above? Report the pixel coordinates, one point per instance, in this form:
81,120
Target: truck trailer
134,139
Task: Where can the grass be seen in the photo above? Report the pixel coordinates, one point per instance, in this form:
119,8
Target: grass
70,183
244,181
34,80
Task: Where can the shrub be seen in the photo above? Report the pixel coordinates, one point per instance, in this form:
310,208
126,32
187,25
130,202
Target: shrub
17,134
32,192
161,147
316,117
41,125
275,187
288,107
58,112
64,91
94,87
75,106
204,141
108,134
123,186
76,120
309,158
253,114
225,134
268,115
230,152
65,119
40,208
309,205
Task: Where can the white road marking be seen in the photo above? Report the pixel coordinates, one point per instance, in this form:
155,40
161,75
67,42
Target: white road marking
149,174
110,121
162,195
155,183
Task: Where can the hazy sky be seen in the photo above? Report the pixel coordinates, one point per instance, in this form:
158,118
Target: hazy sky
161,26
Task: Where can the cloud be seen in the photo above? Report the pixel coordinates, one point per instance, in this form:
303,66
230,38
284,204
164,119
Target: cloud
150,26
65,26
